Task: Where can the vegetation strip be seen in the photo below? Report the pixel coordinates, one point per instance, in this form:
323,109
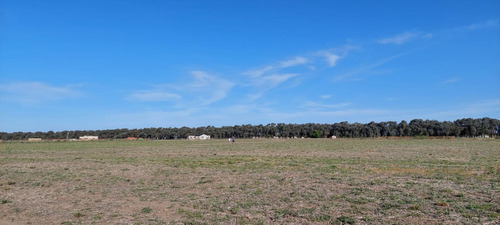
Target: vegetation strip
261,181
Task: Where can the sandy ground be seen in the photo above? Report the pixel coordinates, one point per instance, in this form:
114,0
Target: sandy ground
251,182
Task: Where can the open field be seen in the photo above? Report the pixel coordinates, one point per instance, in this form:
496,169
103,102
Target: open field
284,181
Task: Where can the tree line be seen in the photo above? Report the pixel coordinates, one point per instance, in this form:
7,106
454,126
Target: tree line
466,127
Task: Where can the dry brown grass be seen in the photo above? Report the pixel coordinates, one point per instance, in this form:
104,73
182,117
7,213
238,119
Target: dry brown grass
312,181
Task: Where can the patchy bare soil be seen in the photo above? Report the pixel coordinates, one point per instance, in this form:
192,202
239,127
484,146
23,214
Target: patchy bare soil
311,181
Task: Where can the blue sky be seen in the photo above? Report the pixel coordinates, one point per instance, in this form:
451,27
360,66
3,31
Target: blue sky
87,65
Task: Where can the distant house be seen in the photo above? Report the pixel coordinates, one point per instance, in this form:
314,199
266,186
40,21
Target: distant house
198,137
204,137
87,137
34,139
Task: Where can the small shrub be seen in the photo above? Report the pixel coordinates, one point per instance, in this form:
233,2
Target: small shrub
234,210
146,210
316,134
442,204
284,213
345,220
322,217
388,205
78,214
421,137
367,219
414,207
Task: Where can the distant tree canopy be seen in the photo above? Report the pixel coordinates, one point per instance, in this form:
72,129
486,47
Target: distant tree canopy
466,127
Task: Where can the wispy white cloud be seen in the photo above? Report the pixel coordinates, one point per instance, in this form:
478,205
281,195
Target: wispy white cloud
311,61
299,60
311,104
265,83
332,56
483,25
274,80
153,96
29,93
478,109
452,32
398,39
209,88
268,77
452,80
201,79
331,59
415,35
325,96
259,72
360,73
405,37
273,75
201,89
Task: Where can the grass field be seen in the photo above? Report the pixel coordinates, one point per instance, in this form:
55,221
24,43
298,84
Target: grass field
278,181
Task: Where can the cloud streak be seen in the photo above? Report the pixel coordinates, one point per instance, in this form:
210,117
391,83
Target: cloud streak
360,73
259,72
316,105
299,60
30,93
201,90
452,80
273,75
404,38
322,58
331,59
208,88
332,56
275,79
153,96
483,25
398,39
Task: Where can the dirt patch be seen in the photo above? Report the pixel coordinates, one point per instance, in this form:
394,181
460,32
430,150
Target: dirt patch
251,182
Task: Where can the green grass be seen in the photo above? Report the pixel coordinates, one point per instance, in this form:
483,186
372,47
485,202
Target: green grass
343,181
146,210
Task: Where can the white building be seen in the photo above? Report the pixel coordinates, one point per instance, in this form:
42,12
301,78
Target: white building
199,137
204,137
86,137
